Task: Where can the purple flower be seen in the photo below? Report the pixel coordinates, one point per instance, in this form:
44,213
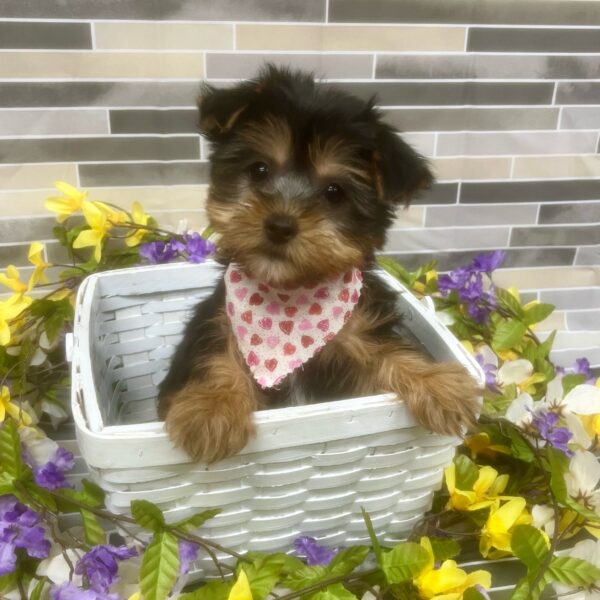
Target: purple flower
557,437
52,474
489,370
160,252
19,528
486,263
582,367
69,591
197,247
188,553
315,554
100,567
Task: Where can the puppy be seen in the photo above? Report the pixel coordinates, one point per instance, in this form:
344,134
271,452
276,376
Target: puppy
304,184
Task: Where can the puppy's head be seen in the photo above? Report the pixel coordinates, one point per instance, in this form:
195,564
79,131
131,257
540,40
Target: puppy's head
304,179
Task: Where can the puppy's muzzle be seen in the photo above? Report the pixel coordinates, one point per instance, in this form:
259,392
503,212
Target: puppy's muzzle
280,229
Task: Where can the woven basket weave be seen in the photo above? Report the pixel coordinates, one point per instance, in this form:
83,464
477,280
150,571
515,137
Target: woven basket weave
309,470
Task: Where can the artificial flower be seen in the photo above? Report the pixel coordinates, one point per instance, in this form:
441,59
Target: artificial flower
100,566
10,309
67,204
69,591
7,407
197,248
139,217
481,444
314,553
241,588
447,582
520,411
582,479
519,372
12,280
51,475
486,489
19,528
99,224
188,553
545,423
35,256
160,252
497,531
588,550
542,517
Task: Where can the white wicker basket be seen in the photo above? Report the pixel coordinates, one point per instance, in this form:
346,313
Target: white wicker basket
309,470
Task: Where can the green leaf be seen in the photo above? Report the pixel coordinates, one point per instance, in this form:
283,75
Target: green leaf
403,562
573,571
147,515
40,495
6,484
94,494
10,449
466,472
263,573
546,346
395,269
529,546
572,380
374,541
8,581
472,594
305,576
537,313
508,334
160,566
36,594
444,548
508,301
347,560
94,533
523,592
196,520
333,592
215,590
519,447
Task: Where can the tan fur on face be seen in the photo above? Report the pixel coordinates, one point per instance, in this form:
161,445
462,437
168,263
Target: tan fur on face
211,417
270,138
318,251
334,158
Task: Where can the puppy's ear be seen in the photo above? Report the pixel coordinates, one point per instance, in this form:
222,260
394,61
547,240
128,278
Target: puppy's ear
400,171
221,108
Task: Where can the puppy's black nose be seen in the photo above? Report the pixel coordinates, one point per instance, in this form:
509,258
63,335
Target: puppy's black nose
280,228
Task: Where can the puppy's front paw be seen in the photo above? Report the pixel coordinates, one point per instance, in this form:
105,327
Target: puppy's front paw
208,429
450,400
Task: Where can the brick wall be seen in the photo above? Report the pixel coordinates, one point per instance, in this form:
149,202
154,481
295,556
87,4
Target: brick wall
502,95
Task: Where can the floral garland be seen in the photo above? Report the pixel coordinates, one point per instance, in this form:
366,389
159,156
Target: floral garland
524,484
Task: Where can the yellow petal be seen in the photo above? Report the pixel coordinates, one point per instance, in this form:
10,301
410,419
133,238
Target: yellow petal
498,486
487,476
135,596
450,477
426,545
2,413
17,414
506,516
481,577
94,217
88,237
67,189
241,588
445,579
4,333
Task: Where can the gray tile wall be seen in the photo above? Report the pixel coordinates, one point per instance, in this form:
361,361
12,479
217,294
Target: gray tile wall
502,96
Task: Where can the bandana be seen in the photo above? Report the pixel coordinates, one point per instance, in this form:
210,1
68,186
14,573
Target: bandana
278,330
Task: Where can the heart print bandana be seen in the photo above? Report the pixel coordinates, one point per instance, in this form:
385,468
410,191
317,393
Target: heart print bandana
278,330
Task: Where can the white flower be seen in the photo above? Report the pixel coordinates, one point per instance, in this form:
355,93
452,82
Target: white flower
520,411
514,371
543,518
582,479
57,569
586,550
39,446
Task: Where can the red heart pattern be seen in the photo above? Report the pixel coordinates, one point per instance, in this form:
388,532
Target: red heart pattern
278,330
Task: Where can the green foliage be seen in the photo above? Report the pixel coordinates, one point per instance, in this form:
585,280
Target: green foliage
466,472
160,566
529,546
509,302
190,523
264,572
519,448
147,515
444,548
11,464
94,532
472,594
537,313
36,593
403,562
508,334
214,590
333,592
573,571
374,541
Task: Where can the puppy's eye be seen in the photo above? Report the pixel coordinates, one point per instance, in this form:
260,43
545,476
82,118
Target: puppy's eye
259,171
334,193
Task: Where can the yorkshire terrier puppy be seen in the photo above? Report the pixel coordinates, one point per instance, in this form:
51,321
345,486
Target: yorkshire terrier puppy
305,181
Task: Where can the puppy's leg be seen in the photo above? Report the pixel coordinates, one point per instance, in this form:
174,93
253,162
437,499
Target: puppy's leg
211,416
443,397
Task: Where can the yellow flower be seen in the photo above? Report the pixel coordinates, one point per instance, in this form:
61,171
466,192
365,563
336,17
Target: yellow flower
113,215
6,406
68,203
432,274
448,582
36,251
497,531
11,279
139,217
10,309
241,588
485,492
135,596
98,221
480,443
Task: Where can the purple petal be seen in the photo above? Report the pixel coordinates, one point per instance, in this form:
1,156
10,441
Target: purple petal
100,567
486,263
314,553
8,558
188,553
69,591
